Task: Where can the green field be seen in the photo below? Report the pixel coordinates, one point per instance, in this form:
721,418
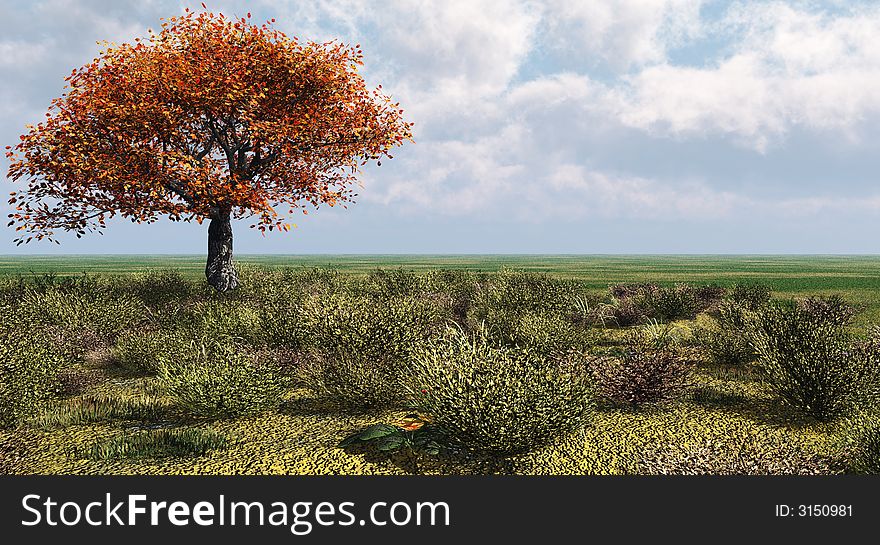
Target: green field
855,277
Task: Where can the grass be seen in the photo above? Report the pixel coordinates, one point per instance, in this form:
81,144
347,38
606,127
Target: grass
857,278
122,424
160,443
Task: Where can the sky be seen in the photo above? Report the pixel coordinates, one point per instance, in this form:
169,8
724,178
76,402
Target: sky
557,126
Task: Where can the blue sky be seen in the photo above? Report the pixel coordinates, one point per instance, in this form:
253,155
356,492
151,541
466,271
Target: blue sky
558,126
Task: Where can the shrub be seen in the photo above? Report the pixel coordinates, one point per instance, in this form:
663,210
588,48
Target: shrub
545,333
354,380
141,352
460,287
627,311
812,363
385,283
372,328
496,400
641,375
158,287
103,314
217,377
281,325
750,296
709,295
29,366
832,310
725,339
222,318
674,303
632,289
636,302
160,443
523,291
860,442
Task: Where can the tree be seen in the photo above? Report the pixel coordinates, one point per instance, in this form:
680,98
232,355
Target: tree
210,118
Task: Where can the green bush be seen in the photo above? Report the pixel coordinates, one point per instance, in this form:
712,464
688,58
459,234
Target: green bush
497,400
390,283
812,362
372,328
459,288
674,303
547,333
141,351
217,377
157,287
104,314
724,339
354,380
861,444
524,291
29,366
634,303
750,296
627,311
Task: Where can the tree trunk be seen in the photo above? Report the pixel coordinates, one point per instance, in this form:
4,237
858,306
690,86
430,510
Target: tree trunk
220,269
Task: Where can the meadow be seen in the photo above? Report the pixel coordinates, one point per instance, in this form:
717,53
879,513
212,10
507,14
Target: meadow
854,276
441,365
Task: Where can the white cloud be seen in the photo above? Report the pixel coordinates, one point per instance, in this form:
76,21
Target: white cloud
623,32
789,69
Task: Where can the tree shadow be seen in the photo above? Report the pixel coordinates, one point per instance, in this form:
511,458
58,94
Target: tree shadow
316,406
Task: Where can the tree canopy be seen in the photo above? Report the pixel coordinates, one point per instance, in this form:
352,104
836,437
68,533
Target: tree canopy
208,117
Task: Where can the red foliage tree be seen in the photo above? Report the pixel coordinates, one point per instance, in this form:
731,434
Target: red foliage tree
210,118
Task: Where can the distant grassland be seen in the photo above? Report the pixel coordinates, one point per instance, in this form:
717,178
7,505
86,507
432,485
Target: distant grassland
855,277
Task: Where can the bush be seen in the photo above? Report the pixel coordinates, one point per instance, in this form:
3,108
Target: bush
812,363
750,296
217,377
497,400
460,287
637,302
675,303
725,339
368,327
29,366
141,352
523,291
860,443
641,375
547,333
709,295
627,311
832,310
158,287
93,311
385,284
632,289
235,319
354,380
